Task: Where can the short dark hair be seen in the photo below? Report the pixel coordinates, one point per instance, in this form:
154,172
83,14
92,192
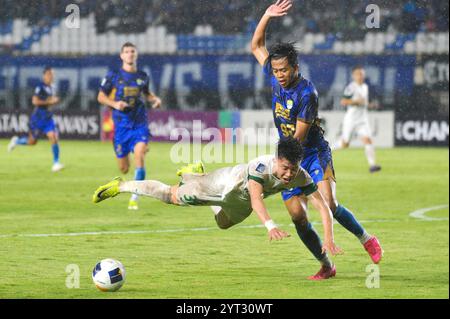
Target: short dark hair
47,68
357,67
290,149
283,50
127,45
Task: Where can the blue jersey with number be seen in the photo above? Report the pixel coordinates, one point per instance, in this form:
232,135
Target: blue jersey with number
300,102
128,87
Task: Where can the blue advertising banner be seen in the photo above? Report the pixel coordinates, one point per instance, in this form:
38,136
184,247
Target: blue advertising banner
208,82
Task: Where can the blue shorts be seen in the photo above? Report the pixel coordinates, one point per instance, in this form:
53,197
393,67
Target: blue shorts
125,139
41,124
319,166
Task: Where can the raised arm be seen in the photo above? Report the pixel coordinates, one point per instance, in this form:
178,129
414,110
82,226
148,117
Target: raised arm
256,191
258,45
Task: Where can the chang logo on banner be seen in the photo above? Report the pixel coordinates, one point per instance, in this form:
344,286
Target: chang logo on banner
432,132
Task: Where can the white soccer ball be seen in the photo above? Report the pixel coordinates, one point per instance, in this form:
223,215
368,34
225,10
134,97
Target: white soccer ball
108,275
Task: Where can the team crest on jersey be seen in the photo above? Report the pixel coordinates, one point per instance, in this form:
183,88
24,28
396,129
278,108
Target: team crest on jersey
290,104
261,168
280,111
139,82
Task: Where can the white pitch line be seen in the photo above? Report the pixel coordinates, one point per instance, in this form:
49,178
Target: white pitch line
156,231
420,213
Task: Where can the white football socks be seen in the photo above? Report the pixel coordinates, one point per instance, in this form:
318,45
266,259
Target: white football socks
364,238
370,154
148,188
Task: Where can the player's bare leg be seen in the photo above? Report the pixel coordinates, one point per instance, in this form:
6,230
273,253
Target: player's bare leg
345,217
24,140
53,139
31,139
297,207
370,154
140,149
124,164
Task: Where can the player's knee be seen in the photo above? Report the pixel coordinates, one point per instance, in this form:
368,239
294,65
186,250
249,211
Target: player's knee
345,145
32,142
301,220
333,206
124,169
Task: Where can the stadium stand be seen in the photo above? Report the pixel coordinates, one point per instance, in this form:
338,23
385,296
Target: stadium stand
328,26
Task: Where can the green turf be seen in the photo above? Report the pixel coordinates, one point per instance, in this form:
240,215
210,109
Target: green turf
213,263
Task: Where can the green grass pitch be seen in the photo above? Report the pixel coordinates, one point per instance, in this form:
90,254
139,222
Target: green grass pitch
180,253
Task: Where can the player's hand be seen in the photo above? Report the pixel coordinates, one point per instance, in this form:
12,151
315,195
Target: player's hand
121,105
156,102
52,100
277,234
359,102
279,9
330,246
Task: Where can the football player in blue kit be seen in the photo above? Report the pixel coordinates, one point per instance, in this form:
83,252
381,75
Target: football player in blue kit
41,120
122,90
295,110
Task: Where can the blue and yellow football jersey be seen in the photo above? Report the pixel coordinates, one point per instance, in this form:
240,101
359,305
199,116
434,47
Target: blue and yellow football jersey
41,119
128,87
300,102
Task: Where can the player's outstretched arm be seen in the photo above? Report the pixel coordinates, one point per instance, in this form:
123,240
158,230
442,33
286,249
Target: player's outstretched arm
258,44
256,191
327,219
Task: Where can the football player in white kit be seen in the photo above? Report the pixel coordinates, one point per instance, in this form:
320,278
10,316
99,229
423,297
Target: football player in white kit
356,99
234,192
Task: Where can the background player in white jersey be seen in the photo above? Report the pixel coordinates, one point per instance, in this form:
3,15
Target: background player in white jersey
234,192
356,119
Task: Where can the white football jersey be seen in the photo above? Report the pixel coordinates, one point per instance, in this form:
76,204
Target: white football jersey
355,91
356,118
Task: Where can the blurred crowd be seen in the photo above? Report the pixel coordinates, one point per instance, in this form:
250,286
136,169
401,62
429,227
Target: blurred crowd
345,17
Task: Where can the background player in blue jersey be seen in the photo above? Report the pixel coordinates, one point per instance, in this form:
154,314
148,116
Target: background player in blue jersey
295,110
41,120
122,90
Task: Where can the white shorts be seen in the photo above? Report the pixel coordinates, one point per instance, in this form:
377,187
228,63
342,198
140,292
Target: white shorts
214,190
355,123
